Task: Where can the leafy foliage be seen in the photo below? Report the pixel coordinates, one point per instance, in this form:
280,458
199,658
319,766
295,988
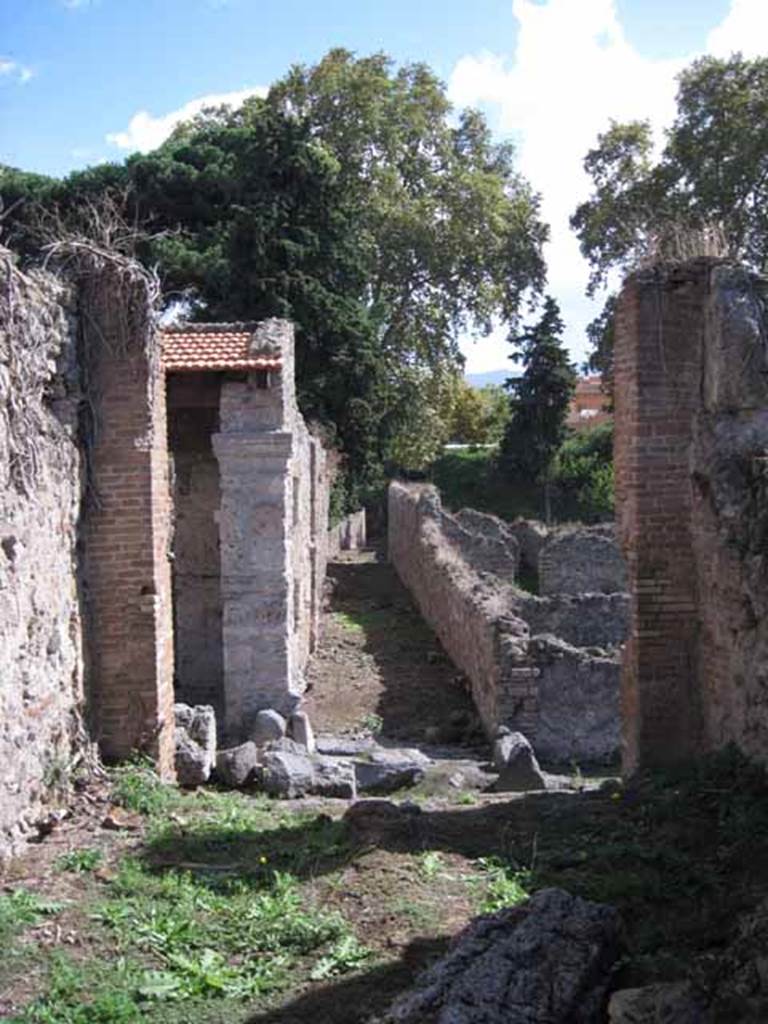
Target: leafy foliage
582,476
706,194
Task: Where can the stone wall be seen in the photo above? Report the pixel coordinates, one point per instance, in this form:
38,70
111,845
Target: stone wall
582,560
691,397
41,477
561,691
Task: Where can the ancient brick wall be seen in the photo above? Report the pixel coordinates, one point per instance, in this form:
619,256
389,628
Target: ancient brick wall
127,534
691,397
41,476
460,570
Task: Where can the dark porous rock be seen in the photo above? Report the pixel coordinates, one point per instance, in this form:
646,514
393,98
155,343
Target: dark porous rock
292,775
384,771
547,961
515,761
267,725
673,1003
235,766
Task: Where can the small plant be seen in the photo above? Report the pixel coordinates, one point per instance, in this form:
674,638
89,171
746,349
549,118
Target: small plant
348,622
373,723
21,908
503,885
430,863
138,788
80,861
346,955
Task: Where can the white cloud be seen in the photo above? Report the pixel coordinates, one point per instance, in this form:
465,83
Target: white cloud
74,5
146,131
744,28
572,70
19,73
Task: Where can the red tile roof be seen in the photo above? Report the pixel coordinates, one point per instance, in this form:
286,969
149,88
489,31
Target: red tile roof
191,347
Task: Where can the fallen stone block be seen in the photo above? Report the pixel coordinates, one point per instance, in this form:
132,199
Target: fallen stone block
547,961
291,775
300,730
195,743
345,746
267,725
516,763
235,766
387,770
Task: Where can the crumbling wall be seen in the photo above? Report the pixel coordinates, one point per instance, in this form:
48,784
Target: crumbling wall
41,478
691,397
562,692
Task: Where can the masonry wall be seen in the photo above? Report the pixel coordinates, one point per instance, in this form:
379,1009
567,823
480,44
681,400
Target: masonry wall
41,476
272,526
460,570
691,397
127,533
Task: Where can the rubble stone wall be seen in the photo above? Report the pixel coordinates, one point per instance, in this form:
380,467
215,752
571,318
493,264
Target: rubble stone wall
41,479
582,560
350,534
691,398
561,691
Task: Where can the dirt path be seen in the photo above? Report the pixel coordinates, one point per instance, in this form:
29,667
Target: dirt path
379,667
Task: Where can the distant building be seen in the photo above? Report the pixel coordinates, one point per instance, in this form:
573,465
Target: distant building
588,405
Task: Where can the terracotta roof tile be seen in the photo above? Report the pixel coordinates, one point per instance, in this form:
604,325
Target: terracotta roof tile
198,347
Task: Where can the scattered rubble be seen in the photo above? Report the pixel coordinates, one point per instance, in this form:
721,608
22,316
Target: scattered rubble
195,743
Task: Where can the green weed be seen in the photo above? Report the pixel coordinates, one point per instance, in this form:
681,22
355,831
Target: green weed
22,908
346,955
501,885
80,861
137,787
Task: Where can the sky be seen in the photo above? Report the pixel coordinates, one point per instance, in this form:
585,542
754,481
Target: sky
83,81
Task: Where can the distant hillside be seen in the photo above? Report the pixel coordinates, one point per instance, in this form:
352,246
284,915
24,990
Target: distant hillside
480,380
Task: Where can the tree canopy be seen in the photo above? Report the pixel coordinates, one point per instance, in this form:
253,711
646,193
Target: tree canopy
348,200
711,175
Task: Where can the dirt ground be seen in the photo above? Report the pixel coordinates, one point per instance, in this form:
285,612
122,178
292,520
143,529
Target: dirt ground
378,665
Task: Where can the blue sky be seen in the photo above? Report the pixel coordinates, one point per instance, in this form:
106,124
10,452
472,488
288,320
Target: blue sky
87,80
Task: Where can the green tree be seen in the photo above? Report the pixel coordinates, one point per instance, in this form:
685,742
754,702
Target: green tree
539,400
479,415
451,232
707,193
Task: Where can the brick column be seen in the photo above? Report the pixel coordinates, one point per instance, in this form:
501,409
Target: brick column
127,575
657,373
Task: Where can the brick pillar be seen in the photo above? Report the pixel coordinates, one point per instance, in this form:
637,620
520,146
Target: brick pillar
657,374
128,581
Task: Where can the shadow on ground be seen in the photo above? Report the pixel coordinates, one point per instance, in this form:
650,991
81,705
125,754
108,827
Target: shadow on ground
356,999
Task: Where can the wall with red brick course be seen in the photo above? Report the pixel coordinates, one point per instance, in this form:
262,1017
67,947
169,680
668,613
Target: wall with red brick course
691,416
127,532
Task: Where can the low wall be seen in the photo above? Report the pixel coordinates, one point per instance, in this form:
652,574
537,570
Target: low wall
562,692
41,473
